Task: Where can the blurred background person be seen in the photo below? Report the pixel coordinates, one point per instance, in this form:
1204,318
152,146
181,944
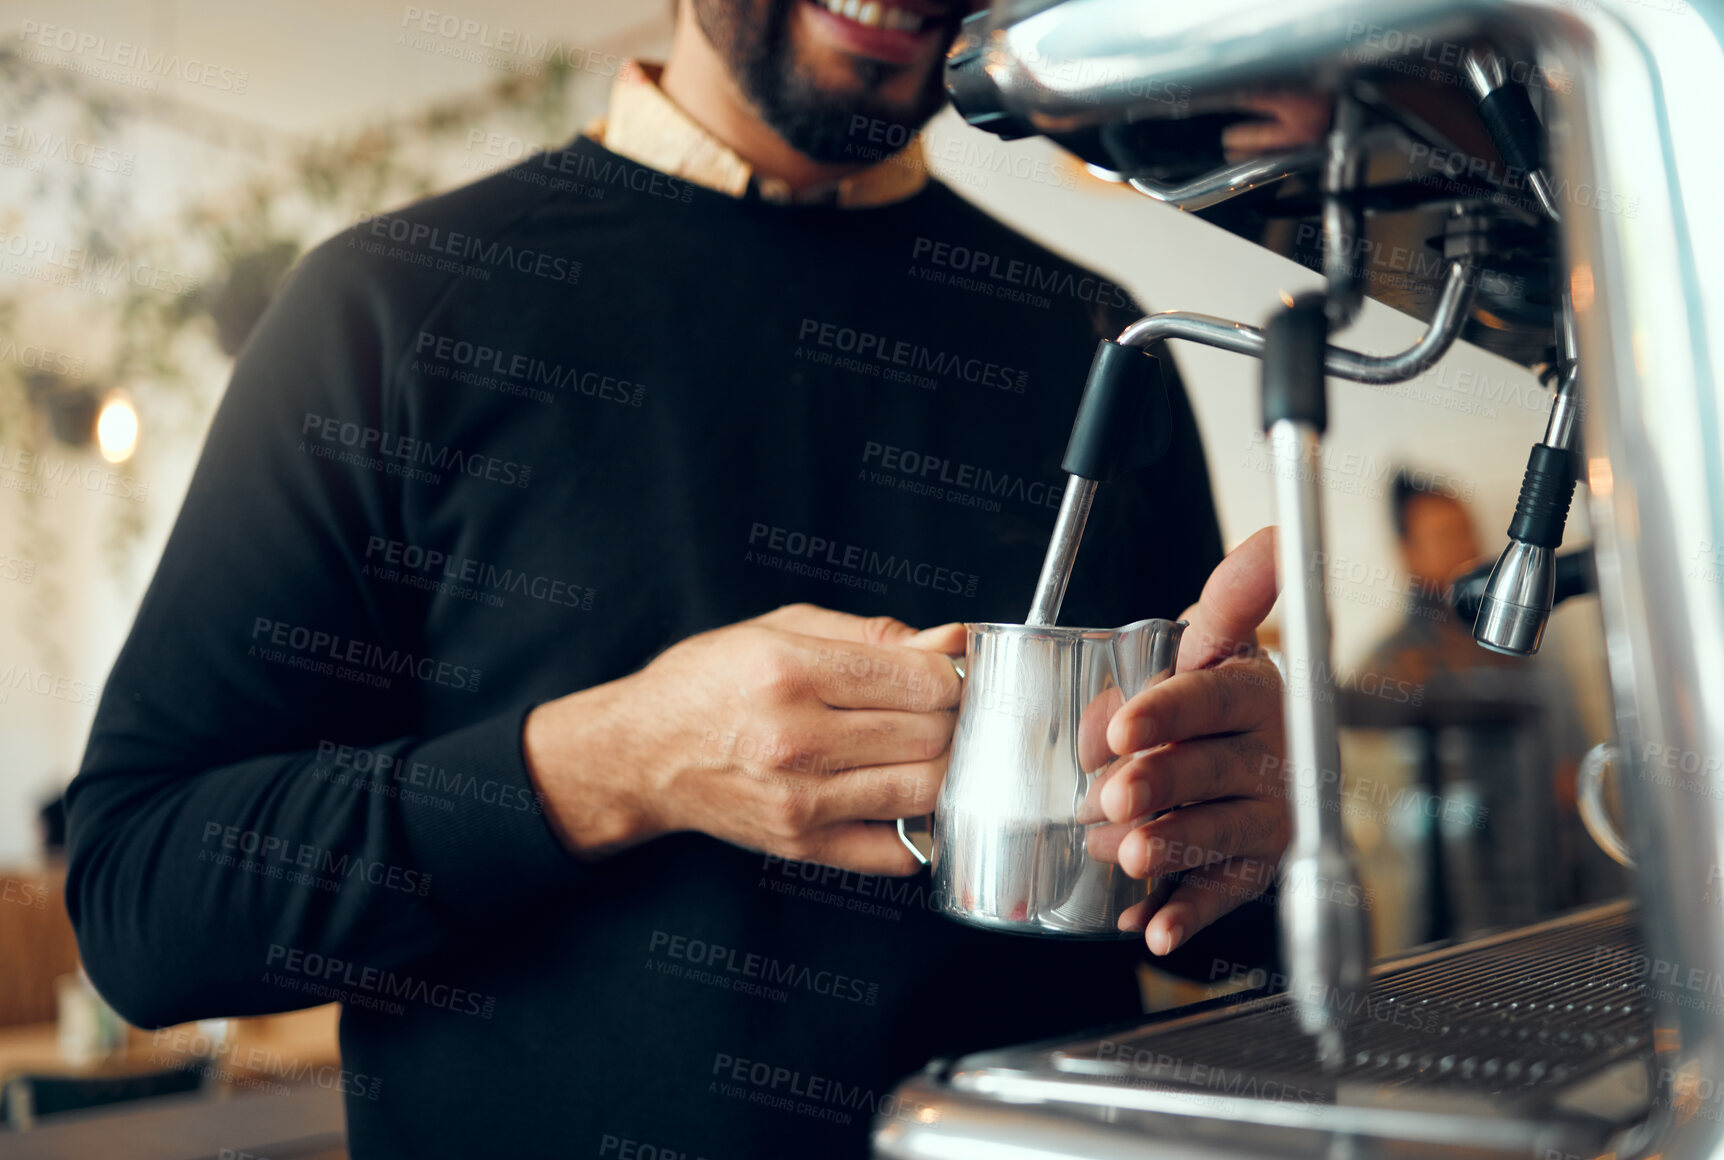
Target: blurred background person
1498,738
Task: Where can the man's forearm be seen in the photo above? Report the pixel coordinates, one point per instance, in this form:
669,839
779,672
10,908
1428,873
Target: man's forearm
194,893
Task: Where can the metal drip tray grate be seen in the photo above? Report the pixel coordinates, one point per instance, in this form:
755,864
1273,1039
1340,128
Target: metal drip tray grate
1532,1042
1509,1019
1506,1015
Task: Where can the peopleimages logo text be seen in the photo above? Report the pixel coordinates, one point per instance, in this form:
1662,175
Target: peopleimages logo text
372,767
270,850
950,473
125,54
437,566
73,150
411,456
467,248
93,267
911,355
329,970
1017,272
41,358
860,560
527,369
799,976
322,647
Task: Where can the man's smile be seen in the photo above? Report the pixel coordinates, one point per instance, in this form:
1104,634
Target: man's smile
895,31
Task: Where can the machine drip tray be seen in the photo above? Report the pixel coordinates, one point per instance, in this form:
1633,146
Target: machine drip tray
1532,1042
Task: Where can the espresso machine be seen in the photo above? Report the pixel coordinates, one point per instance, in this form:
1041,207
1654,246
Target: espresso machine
1557,163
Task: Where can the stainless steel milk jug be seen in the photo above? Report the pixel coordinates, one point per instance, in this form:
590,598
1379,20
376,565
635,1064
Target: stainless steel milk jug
1007,850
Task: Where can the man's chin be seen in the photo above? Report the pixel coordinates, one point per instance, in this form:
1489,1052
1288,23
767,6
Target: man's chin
841,120
827,102
843,132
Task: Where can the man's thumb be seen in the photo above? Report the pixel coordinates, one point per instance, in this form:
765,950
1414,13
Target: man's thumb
1236,598
944,638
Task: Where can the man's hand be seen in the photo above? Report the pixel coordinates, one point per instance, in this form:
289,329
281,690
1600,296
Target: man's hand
1294,119
803,733
1205,745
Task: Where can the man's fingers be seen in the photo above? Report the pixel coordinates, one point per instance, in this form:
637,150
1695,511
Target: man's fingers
1253,137
1203,897
865,847
1194,836
879,792
1298,119
1236,598
942,638
813,620
1093,749
850,675
1174,775
1231,698
853,738
1102,842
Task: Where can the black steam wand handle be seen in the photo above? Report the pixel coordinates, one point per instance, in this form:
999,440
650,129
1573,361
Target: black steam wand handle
1123,423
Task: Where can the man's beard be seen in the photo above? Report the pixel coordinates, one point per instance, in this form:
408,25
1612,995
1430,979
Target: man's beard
816,123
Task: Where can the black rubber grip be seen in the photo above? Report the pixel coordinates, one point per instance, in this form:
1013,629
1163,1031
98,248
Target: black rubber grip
1514,128
1295,346
1467,592
1576,574
973,92
1123,421
1545,492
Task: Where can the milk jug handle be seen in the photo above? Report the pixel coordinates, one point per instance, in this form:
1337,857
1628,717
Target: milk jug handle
1593,815
923,826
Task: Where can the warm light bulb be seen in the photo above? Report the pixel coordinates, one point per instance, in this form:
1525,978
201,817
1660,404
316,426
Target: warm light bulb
117,428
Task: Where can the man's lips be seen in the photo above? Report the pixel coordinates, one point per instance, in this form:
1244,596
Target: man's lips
893,31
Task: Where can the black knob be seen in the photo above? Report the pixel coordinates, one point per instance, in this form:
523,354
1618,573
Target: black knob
972,90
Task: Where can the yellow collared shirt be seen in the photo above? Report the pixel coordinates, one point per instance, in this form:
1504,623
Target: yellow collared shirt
644,125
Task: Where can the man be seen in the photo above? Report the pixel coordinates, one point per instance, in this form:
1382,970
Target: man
493,680
1437,542
1496,881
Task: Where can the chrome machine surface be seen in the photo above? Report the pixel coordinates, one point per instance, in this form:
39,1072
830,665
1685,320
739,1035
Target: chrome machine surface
1622,206
1536,1044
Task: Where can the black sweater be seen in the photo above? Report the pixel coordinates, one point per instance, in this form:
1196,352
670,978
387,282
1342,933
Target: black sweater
509,443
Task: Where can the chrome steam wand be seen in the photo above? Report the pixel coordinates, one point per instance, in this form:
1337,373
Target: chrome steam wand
1325,931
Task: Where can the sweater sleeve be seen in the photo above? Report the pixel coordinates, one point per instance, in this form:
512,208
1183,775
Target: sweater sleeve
241,804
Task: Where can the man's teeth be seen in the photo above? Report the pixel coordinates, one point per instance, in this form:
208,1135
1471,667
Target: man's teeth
875,14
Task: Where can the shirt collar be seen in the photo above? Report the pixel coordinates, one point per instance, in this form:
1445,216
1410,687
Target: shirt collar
644,125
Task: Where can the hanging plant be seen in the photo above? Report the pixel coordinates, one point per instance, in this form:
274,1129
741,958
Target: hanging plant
228,254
